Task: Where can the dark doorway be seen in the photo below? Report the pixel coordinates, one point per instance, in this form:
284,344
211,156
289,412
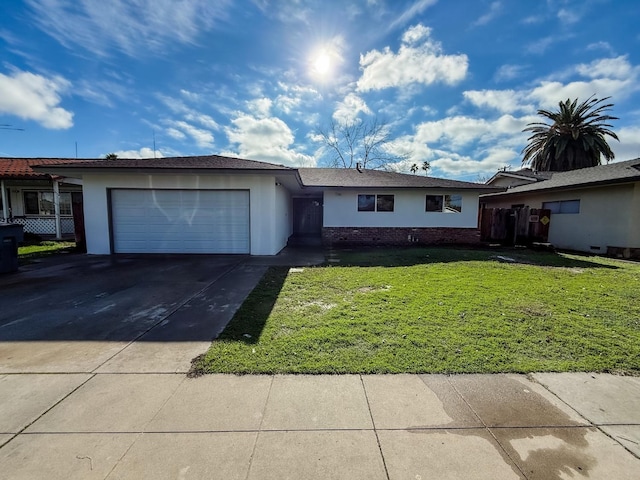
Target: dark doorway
307,217
77,209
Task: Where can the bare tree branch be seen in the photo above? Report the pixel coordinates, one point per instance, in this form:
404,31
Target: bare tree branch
362,141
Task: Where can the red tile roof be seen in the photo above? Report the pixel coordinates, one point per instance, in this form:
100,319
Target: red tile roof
20,168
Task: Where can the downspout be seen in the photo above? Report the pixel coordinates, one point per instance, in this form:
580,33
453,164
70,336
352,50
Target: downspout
5,205
56,206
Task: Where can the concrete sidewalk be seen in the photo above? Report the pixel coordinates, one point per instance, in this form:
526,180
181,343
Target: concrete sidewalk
115,426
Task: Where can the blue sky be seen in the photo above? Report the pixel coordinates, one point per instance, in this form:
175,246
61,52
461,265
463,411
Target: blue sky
455,81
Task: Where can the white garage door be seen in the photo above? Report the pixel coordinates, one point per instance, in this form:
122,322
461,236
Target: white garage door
180,221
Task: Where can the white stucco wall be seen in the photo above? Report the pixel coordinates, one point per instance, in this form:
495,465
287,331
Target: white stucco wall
608,217
341,210
634,219
267,237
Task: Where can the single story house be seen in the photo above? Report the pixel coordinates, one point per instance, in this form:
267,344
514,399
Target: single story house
30,198
216,204
594,209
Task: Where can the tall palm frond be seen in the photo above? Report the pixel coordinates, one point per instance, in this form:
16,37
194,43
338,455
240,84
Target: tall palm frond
574,139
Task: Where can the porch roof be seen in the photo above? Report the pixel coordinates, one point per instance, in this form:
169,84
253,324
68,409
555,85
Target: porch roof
20,168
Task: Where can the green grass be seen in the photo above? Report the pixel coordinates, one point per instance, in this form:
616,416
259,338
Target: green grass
44,248
437,310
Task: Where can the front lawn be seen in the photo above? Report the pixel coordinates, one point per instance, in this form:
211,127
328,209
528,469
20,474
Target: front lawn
437,310
44,248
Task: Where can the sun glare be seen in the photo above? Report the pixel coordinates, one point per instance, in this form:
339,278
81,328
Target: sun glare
322,63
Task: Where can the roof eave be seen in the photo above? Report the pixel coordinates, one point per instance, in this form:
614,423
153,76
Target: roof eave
73,170
600,183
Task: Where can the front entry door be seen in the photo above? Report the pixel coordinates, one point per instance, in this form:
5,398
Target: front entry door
307,217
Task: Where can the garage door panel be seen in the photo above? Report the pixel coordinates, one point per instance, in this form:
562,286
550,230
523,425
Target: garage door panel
180,221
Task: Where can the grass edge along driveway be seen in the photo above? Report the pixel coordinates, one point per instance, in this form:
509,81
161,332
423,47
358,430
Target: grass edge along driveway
437,310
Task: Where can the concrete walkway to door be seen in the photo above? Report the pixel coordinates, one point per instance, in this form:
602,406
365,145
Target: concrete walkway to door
92,359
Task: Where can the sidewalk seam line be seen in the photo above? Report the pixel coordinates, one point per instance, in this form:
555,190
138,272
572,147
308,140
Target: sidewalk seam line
375,430
142,432
91,375
495,439
255,443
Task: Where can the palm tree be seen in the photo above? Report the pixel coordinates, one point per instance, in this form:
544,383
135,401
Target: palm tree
426,166
414,168
111,156
575,138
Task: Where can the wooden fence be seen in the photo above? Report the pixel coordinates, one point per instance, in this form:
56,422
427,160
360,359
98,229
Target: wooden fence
515,226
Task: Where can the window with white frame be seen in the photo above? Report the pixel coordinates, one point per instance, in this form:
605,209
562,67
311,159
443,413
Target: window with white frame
375,203
41,203
562,206
443,203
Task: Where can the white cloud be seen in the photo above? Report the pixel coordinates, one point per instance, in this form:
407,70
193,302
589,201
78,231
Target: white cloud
203,138
347,111
134,28
260,107
35,97
489,161
629,146
494,11
493,144
202,119
415,9
175,105
191,96
569,16
144,152
101,92
175,133
614,77
286,103
461,130
267,139
504,101
606,46
548,94
286,11
509,72
419,60
541,45
618,67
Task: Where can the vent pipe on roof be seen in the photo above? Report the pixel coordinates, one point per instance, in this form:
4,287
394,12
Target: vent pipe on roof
359,166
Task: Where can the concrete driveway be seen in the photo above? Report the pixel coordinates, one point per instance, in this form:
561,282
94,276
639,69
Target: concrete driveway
121,314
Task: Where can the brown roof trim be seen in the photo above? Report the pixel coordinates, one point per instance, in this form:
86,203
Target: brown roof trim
557,188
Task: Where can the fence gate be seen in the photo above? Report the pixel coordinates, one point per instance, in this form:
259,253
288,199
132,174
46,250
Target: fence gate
512,226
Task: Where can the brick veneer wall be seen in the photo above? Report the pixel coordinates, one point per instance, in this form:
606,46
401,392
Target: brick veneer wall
399,236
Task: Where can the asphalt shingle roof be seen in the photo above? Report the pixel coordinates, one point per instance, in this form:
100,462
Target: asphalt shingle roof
216,162
310,177
352,178
618,172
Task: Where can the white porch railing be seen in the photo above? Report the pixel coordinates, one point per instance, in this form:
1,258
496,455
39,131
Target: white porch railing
44,225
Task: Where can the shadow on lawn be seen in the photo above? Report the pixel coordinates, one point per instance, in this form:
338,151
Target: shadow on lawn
405,257
249,321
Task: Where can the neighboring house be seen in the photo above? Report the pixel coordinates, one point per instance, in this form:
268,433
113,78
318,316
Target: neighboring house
29,198
507,178
215,204
594,209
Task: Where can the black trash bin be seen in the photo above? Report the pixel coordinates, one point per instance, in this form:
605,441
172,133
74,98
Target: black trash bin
10,236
